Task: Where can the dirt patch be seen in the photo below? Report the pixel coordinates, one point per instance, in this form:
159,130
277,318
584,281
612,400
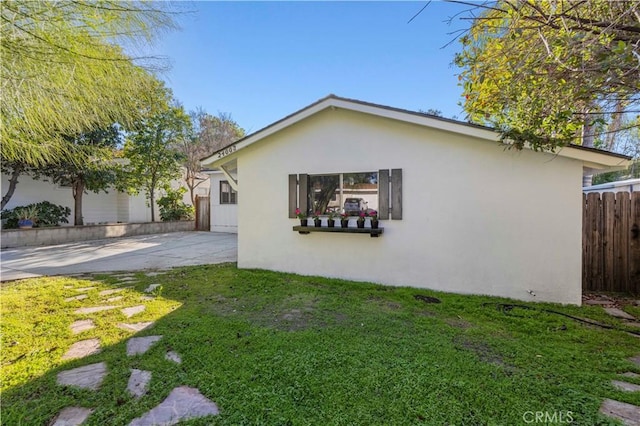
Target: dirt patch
482,350
458,323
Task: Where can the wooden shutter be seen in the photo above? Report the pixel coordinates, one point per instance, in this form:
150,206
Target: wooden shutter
293,196
303,196
383,194
396,194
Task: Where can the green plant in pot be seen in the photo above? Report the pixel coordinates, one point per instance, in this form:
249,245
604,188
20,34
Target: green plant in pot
374,219
361,217
344,220
330,218
302,216
316,219
27,216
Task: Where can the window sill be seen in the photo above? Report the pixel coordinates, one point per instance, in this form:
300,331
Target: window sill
308,229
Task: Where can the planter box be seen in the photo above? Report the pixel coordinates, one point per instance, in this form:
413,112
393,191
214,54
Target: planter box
68,234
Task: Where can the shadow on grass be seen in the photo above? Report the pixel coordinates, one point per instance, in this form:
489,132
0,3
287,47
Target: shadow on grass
273,348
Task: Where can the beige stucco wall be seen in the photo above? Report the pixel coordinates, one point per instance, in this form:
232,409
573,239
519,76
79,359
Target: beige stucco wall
477,219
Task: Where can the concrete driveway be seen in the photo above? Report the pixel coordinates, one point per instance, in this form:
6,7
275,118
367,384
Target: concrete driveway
159,251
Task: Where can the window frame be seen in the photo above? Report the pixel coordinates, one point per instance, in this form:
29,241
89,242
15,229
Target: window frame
232,195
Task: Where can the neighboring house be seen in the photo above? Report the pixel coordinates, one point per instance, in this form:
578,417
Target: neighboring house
110,207
460,213
223,204
629,185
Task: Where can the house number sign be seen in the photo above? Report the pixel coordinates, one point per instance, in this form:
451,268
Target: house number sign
229,150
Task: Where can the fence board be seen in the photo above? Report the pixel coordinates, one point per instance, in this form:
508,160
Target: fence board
634,243
611,242
203,214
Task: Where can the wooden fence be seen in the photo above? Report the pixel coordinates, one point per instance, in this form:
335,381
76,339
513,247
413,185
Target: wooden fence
611,242
203,215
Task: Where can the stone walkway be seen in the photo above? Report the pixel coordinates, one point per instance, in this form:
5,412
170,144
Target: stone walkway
628,414
182,403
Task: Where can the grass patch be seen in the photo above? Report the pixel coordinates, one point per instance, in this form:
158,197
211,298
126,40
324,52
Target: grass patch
274,348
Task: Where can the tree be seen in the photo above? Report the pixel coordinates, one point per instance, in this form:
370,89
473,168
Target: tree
63,72
208,134
153,161
96,174
547,74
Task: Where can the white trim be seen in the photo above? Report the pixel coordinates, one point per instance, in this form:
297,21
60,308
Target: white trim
230,179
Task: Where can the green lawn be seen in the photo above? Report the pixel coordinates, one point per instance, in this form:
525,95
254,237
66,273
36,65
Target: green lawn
281,349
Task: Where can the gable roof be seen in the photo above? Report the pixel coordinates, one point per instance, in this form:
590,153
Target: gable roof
591,157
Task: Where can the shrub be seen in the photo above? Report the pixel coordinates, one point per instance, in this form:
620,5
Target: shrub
173,208
49,214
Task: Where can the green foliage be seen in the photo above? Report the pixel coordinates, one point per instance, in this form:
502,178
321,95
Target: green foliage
44,214
207,134
272,348
546,73
63,72
172,207
153,160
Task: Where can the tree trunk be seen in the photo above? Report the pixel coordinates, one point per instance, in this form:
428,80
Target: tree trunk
587,141
78,190
13,182
152,203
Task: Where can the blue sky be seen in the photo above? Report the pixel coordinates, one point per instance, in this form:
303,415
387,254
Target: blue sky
260,61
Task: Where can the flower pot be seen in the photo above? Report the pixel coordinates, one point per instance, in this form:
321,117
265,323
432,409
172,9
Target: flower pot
303,222
374,223
25,223
360,223
317,222
331,223
344,223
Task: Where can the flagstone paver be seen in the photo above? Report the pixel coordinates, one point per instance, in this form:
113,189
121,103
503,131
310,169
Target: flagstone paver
183,403
631,375
151,288
138,326
94,309
619,313
173,356
147,298
128,279
114,299
87,377
83,289
111,291
72,416
138,382
627,387
627,413
635,360
140,345
83,348
82,325
154,274
599,302
129,312
79,297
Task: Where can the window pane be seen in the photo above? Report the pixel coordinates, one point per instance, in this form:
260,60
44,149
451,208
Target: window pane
324,193
360,192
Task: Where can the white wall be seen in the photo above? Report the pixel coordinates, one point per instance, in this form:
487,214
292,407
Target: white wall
629,185
477,219
96,208
224,217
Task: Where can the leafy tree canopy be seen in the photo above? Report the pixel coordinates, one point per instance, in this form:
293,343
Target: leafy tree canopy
64,73
547,73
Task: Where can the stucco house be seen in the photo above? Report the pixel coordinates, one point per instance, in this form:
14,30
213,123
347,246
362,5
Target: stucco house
458,212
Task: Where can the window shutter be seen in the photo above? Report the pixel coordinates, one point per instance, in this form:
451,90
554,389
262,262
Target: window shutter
396,194
293,196
303,196
383,194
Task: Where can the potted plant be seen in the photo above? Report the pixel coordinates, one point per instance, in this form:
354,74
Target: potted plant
361,217
344,220
27,216
316,219
330,221
302,216
374,219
